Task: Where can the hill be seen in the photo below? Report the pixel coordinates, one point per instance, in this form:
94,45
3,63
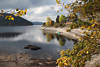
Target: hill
37,23
18,21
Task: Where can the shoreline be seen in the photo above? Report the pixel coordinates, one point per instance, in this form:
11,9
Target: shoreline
26,60
74,34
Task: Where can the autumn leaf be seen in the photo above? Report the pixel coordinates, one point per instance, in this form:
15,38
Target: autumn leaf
58,1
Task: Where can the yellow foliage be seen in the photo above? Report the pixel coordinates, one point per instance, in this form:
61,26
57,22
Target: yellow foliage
12,18
87,52
87,45
9,17
82,27
92,25
89,28
58,1
67,6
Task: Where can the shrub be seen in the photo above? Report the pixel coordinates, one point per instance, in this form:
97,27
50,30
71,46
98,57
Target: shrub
62,19
49,22
56,24
44,24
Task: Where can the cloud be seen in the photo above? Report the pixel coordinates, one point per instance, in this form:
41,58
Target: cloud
38,10
24,3
15,4
41,12
41,9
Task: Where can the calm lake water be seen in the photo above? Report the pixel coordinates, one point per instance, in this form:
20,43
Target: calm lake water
14,39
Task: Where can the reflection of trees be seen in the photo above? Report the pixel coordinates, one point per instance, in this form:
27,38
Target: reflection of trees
43,33
49,37
61,40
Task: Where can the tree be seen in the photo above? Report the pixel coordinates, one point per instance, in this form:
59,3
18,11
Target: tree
49,22
62,19
57,19
48,19
86,8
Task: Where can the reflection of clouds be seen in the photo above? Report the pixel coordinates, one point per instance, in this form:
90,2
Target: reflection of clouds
31,36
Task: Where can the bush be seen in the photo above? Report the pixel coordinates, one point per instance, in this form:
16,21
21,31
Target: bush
79,23
59,25
56,24
48,24
62,19
51,23
44,24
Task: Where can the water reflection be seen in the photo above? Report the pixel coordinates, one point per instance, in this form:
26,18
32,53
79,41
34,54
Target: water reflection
50,44
49,36
9,34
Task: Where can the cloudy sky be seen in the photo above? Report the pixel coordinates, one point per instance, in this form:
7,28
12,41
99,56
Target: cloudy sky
38,10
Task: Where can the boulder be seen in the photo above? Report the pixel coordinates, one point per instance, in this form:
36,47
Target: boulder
32,47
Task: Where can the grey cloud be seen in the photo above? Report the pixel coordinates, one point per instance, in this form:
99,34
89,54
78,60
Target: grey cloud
43,2
33,14
25,3
15,3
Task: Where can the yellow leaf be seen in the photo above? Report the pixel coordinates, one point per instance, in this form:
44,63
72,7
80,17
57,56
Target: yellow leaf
91,21
92,25
58,1
89,28
12,18
25,10
66,64
87,52
67,6
8,18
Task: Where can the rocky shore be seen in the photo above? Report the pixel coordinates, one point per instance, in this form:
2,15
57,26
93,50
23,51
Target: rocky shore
24,60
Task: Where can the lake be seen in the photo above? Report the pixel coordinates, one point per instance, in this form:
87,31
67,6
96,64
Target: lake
14,39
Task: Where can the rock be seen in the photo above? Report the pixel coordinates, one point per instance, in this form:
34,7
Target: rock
32,47
95,60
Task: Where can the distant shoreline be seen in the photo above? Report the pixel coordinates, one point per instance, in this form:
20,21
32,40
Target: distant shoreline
74,34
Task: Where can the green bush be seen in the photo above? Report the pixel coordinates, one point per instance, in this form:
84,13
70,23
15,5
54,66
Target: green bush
62,19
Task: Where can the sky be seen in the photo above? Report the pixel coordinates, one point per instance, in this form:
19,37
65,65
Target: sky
38,10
